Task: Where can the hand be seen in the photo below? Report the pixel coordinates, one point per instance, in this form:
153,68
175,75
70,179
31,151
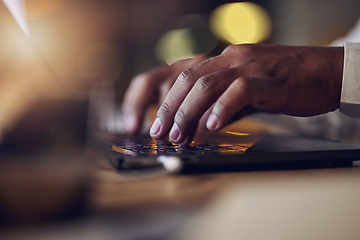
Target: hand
299,81
149,88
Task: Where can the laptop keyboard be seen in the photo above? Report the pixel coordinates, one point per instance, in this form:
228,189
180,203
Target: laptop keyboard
143,145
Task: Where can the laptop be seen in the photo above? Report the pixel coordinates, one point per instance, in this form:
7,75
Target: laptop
231,149
223,151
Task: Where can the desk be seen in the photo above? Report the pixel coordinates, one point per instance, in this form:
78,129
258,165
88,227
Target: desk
286,204
268,204
159,208
195,189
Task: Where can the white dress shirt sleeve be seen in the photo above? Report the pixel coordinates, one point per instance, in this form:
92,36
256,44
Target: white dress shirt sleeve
350,92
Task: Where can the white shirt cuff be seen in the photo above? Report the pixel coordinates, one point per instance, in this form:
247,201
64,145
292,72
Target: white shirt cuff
350,92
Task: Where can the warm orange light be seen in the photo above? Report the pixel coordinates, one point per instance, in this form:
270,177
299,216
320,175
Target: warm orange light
35,9
237,133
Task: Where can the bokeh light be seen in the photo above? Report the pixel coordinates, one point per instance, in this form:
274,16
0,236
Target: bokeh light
175,45
242,22
189,36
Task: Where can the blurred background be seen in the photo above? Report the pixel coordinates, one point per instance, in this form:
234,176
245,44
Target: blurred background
116,39
101,45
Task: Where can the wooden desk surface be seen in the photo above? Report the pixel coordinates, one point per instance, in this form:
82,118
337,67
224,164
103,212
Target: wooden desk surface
228,202
284,204
306,203
111,191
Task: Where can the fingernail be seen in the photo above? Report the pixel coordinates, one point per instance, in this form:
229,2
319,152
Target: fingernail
213,122
155,128
174,132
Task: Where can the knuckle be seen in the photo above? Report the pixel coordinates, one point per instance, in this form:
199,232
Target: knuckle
181,116
241,49
186,77
204,84
240,54
242,86
164,109
229,49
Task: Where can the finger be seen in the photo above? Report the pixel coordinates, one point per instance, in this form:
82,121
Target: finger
248,110
201,97
142,91
191,136
204,118
178,68
235,98
145,89
178,92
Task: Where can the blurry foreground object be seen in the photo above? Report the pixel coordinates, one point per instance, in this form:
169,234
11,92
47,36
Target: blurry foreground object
43,188
27,83
43,173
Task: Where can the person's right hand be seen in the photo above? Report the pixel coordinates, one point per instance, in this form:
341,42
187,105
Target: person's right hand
150,88
299,81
